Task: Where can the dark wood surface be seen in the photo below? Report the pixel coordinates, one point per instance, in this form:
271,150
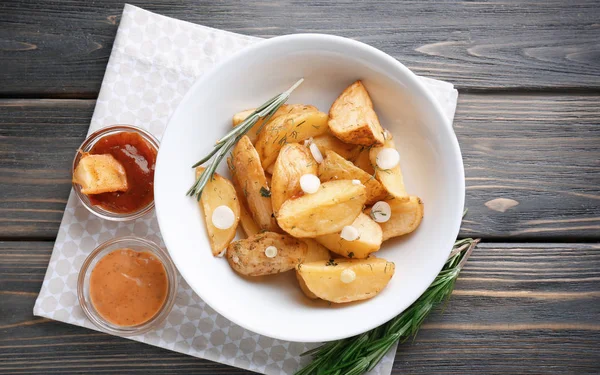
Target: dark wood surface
528,122
537,303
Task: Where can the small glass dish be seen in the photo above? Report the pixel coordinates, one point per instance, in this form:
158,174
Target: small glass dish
136,244
86,146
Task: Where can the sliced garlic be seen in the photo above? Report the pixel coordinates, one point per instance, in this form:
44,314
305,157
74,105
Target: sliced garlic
223,217
349,233
271,251
381,212
388,158
347,276
356,182
316,153
309,183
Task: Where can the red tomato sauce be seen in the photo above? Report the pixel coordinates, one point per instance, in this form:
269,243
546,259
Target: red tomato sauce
138,158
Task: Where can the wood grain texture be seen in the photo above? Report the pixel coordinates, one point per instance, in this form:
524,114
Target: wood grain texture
532,165
517,308
60,48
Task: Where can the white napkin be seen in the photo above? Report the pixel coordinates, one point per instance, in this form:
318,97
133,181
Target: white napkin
154,61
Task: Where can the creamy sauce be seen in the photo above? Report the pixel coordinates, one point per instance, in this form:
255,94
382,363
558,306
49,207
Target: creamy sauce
349,233
388,158
309,183
128,287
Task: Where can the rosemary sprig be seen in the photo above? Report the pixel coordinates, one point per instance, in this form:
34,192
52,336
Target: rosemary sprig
359,354
226,143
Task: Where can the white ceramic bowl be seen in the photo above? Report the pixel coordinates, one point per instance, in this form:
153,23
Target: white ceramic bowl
430,158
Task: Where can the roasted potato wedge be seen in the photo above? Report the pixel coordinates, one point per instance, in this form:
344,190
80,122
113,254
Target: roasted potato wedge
391,179
335,205
219,191
293,162
249,176
98,174
328,142
248,257
405,218
335,167
363,161
315,253
284,109
352,118
289,128
324,278
369,240
248,224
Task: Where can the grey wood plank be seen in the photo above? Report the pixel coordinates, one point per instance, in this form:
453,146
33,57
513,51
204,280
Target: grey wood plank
539,152
60,48
517,308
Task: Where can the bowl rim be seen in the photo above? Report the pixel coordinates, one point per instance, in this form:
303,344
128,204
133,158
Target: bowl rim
414,84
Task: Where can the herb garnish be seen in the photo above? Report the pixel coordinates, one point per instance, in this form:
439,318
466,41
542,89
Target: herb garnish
266,193
359,354
222,147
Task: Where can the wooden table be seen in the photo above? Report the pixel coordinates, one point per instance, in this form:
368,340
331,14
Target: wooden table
528,122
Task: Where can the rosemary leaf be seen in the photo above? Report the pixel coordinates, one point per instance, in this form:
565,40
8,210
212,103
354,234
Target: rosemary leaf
359,354
227,142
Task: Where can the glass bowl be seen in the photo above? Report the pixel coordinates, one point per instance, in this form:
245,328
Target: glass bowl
83,285
86,146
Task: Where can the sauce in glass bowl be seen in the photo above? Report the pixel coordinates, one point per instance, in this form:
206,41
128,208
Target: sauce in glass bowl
138,158
128,287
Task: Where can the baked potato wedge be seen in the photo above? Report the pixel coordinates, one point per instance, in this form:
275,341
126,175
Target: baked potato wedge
315,253
324,278
328,142
247,256
369,240
293,162
284,109
352,118
335,205
363,161
335,167
219,191
289,128
406,216
249,176
391,179
247,222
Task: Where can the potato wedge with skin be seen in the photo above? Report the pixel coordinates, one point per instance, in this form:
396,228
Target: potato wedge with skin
249,176
284,109
219,191
289,128
248,224
335,167
315,253
335,205
406,216
328,142
247,256
369,240
323,278
363,161
352,118
391,179
293,162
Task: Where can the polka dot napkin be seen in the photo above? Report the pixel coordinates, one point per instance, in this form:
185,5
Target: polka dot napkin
154,61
